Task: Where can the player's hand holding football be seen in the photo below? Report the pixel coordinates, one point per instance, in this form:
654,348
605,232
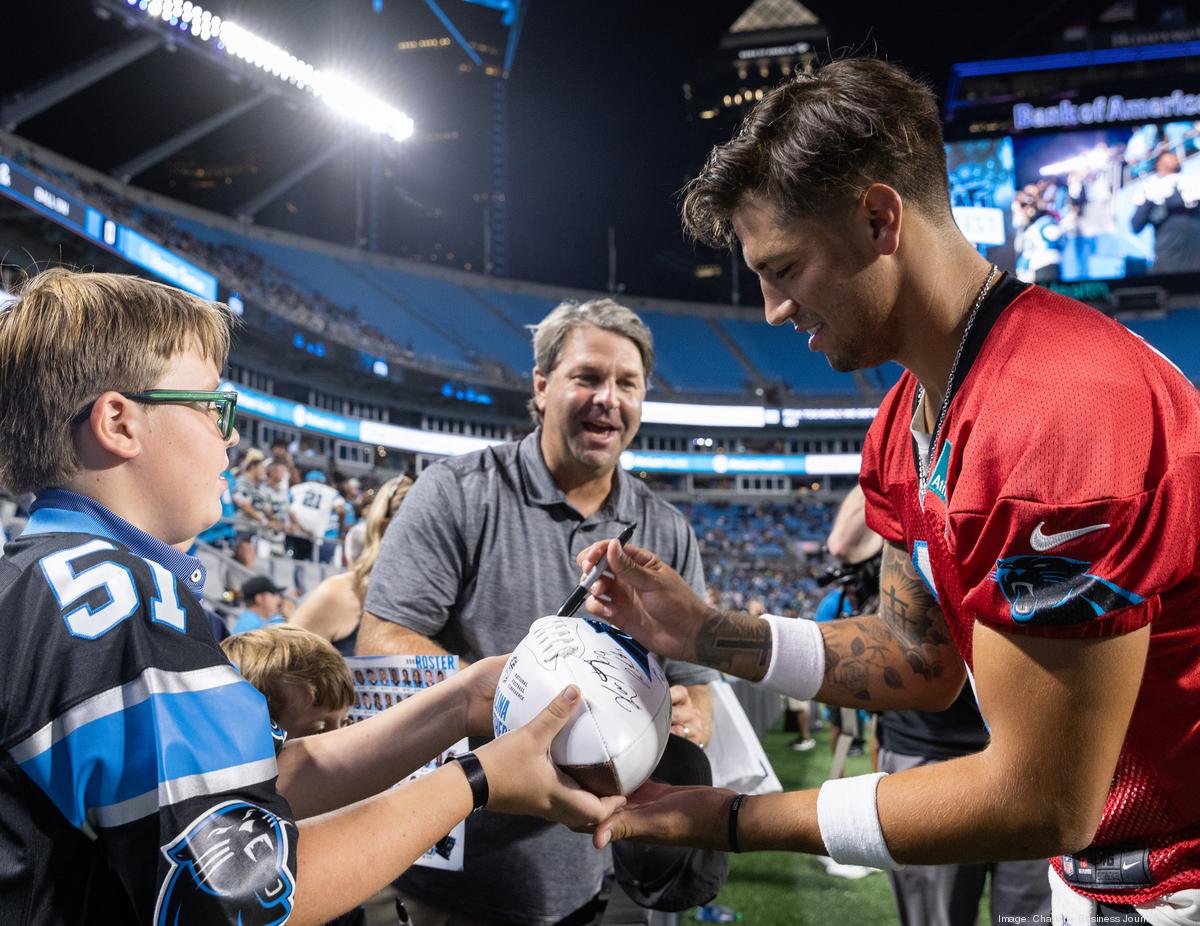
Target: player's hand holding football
476,685
647,599
671,815
522,778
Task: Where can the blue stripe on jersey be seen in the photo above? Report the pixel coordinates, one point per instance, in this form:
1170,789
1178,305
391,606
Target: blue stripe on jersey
165,737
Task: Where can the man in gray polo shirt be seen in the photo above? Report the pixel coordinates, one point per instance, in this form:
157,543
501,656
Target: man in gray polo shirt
485,543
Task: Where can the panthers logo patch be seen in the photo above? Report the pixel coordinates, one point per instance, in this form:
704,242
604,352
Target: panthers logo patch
231,862
1057,591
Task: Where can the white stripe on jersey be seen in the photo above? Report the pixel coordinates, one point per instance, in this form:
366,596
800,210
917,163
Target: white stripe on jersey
151,682
180,789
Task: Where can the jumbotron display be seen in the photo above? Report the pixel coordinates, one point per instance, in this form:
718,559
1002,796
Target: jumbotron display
1104,203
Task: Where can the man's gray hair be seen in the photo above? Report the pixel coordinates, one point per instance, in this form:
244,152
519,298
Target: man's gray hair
551,333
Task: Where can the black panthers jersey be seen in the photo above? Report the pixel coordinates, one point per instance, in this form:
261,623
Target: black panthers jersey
137,767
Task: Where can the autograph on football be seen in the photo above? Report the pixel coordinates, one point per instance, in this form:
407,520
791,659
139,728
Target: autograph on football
607,671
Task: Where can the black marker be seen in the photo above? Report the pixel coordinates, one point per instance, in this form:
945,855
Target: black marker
579,596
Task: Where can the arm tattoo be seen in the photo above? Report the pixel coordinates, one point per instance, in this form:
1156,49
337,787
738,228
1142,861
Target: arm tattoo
865,657
735,643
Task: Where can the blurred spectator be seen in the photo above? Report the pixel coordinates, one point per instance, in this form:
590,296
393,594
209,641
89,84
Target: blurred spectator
1170,201
251,495
318,510
245,551
334,609
277,495
280,453
262,600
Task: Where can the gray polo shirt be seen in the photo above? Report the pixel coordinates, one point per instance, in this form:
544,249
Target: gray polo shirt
483,545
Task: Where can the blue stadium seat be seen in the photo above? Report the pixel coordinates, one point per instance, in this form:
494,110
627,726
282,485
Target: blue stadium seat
691,356
344,284
451,306
521,308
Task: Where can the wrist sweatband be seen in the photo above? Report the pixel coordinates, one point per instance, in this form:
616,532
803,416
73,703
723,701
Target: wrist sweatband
797,666
735,807
848,816
476,778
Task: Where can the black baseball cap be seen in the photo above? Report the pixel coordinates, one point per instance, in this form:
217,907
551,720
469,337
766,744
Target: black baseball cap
256,585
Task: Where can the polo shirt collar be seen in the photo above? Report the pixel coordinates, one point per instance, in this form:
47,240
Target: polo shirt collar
63,511
541,489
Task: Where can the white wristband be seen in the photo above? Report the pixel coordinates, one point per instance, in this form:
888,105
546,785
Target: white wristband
797,666
848,816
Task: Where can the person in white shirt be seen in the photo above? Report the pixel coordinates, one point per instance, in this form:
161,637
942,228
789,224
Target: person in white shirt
314,507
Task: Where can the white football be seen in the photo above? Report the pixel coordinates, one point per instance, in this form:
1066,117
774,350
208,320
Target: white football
615,739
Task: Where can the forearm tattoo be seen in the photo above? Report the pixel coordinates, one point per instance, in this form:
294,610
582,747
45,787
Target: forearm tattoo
867,656
735,643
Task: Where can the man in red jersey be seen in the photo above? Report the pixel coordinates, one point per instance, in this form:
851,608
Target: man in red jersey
1036,472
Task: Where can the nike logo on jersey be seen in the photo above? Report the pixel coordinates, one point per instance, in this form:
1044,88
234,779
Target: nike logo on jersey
1043,542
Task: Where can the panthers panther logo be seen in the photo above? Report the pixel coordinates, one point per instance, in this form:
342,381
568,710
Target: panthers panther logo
233,859
1057,591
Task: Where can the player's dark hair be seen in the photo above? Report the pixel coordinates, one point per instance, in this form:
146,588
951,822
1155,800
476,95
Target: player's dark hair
812,146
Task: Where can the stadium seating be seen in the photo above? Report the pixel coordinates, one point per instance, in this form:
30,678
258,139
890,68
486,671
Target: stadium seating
691,357
455,311
753,552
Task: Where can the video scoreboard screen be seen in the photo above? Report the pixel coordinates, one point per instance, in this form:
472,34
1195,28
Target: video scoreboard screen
1093,203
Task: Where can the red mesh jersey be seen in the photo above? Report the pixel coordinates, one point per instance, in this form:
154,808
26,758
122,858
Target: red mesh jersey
1065,502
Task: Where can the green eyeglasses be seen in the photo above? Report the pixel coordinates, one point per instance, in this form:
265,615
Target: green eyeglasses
219,405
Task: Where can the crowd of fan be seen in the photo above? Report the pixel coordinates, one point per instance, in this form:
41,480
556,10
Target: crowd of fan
238,268
763,556
756,557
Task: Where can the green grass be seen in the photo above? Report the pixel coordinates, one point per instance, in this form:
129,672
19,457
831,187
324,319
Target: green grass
789,889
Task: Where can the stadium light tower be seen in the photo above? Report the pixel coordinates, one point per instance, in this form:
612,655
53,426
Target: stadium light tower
342,95
189,26
496,210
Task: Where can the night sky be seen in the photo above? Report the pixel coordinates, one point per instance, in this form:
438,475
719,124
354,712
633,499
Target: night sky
598,134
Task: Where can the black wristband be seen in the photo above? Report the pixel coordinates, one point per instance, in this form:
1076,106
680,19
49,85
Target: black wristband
735,807
476,778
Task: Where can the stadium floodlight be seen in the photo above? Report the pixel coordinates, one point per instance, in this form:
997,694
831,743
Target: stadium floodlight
343,96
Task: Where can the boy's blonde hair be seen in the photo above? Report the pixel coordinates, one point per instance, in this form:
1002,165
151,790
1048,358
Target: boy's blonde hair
272,657
71,336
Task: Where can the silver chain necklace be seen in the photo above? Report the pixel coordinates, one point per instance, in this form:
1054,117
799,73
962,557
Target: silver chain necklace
925,461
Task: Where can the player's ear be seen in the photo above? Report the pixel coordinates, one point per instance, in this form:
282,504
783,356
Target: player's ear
883,209
115,426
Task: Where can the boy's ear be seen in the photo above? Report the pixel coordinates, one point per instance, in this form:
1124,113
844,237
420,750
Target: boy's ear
115,425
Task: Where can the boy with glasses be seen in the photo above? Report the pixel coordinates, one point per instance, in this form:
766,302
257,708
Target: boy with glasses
141,779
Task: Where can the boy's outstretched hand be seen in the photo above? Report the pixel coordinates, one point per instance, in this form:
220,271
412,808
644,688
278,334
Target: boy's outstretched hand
523,779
